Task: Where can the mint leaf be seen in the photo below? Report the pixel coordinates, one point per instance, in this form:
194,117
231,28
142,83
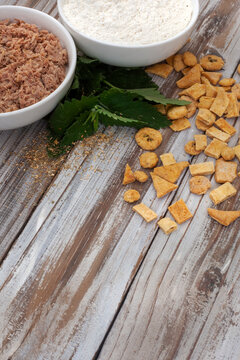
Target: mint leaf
64,114
155,96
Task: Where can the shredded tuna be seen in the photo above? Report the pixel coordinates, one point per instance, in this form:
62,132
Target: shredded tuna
32,64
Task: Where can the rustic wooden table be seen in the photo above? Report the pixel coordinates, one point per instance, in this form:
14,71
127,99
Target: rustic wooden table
82,276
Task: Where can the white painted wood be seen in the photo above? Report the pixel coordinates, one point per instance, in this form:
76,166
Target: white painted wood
71,266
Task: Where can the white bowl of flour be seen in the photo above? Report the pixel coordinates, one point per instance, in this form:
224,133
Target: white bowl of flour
129,32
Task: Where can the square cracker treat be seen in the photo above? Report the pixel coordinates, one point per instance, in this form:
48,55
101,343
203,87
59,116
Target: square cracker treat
222,193
167,225
213,132
180,124
180,211
215,148
163,70
232,109
192,77
220,103
167,159
200,142
206,116
223,125
195,91
145,212
237,151
205,102
225,171
206,168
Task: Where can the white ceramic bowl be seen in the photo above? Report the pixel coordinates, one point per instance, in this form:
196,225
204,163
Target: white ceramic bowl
139,55
28,115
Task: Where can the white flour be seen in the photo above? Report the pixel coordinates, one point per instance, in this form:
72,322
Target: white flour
129,22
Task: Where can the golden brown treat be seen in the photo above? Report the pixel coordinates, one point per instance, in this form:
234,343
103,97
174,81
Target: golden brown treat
220,103
178,63
236,90
227,82
192,77
148,160
167,225
200,142
222,193
128,176
195,91
191,108
171,172
237,151
205,102
215,148
213,77
180,124
232,108
224,217
206,116
177,112
180,211
190,148
199,185
131,196
144,211
212,62
238,69
161,108
162,186
163,70
204,80
213,132
140,176
148,138
228,153
225,171
186,70
200,125
211,91
226,88
169,60
189,59
206,168
167,159
223,125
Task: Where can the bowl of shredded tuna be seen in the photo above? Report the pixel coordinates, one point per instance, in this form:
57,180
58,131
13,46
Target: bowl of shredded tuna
38,59
129,32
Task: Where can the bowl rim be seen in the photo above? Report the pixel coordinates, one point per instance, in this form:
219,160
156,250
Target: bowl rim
71,65
194,17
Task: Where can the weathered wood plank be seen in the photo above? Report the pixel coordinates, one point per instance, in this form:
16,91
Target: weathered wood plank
184,301
70,268
19,190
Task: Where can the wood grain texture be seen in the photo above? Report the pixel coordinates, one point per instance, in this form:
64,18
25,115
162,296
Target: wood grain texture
19,190
69,269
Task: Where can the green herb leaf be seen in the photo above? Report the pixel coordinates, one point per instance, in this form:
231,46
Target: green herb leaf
123,103
125,78
64,114
109,118
81,128
155,96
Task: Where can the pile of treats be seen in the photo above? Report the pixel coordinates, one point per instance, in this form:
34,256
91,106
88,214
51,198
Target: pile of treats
216,100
